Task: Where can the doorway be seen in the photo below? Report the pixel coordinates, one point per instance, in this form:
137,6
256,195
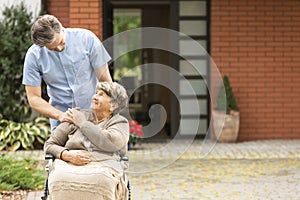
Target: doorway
125,15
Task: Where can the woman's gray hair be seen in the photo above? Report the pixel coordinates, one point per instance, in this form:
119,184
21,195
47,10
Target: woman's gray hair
116,92
44,28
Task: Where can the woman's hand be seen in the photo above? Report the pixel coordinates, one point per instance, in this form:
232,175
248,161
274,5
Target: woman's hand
76,116
64,117
76,157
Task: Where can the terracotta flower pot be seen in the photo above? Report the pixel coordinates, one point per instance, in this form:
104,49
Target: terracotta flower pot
226,126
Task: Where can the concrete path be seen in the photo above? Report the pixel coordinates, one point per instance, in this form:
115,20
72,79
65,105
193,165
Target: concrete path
258,170
35,195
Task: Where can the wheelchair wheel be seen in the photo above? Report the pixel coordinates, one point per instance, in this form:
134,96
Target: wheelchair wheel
45,193
129,190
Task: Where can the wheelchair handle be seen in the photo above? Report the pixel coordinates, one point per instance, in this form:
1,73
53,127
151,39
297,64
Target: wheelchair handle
124,158
49,157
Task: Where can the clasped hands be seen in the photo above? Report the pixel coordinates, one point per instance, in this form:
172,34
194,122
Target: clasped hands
73,116
76,157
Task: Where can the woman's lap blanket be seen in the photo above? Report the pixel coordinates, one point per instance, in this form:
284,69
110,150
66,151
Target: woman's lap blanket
96,180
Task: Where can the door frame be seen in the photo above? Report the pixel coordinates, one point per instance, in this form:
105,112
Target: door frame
108,6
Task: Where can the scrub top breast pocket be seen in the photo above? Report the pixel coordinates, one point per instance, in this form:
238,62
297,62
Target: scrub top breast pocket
82,69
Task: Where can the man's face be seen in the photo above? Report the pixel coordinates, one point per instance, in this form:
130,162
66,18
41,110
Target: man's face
59,42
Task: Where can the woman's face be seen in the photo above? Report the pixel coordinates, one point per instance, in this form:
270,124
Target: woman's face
101,102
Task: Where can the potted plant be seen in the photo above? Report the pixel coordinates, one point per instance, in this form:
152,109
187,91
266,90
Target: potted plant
226,117
136,133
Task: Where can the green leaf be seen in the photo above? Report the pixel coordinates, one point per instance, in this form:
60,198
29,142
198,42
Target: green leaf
31,139
40,140
2,145
26,126
34,130
25,143
16,134
5,133
3,123
44,131
41,120
15,146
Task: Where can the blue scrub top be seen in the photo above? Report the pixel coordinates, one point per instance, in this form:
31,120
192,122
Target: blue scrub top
69,75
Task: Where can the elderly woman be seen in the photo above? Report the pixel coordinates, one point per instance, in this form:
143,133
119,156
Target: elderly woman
88,150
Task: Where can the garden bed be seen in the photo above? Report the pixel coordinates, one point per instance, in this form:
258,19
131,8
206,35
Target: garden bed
21,173
14,195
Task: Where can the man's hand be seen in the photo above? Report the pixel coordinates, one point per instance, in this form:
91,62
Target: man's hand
64,117
77,117
76,157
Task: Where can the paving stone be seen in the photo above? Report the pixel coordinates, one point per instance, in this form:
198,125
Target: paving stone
256,170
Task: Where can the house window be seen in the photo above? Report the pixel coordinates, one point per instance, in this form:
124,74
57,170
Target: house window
193,26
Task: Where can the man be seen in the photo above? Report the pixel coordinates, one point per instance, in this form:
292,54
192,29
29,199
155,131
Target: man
70,61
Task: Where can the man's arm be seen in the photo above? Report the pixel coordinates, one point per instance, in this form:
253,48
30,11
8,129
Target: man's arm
43,107
103,74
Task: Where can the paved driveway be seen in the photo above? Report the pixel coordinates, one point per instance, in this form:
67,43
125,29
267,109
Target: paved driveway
259,170
251,170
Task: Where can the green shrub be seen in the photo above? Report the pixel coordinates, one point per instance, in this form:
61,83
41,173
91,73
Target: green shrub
29,135
14,41
226,100
20,174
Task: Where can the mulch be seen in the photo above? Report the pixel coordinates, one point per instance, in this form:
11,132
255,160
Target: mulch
14,195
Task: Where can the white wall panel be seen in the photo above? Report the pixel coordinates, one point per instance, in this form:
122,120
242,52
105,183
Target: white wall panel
33,6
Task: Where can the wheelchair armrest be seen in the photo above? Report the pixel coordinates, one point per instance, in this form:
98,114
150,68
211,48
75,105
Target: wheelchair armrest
124,158
124,162
49,157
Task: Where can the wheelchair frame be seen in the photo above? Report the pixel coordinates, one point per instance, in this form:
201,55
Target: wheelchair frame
48,168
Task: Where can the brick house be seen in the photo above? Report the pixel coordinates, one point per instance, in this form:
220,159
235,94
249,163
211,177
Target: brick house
256,43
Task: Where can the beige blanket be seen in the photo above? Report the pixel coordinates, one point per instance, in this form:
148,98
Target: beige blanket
94,181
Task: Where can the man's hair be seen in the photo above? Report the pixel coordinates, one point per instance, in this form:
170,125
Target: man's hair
44,28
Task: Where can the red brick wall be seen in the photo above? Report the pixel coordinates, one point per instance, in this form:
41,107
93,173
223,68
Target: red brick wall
78,13
257,43
60,9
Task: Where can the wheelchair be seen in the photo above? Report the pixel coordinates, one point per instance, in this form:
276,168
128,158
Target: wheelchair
51,158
